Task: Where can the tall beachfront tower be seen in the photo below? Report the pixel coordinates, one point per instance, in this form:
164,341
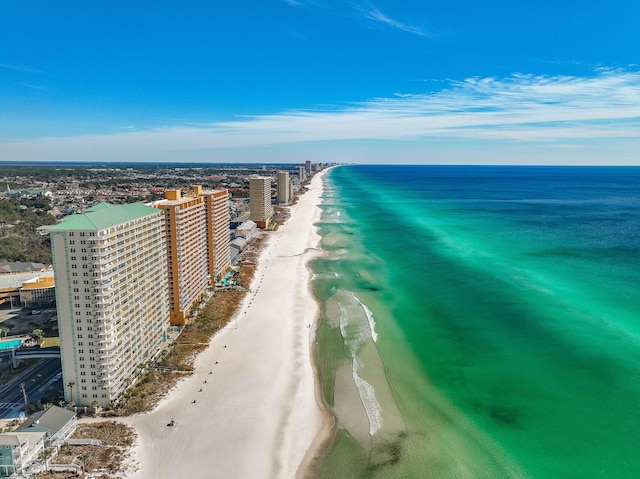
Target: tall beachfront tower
302,173
217,212
284,187
260,209
112,297
186,252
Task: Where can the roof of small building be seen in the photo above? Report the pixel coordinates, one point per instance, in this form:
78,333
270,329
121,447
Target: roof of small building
239,243
27,192
54,418
104,215
247,225
20,437
15,281
20,267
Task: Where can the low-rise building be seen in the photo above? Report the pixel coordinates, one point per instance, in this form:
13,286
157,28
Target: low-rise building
246,230
57,423
236,247
12,284
18,450
38,292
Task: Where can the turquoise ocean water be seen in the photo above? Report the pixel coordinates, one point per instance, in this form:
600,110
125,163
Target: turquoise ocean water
481,322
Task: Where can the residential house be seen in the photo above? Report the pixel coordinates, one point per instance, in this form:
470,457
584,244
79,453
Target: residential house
57,423
18,450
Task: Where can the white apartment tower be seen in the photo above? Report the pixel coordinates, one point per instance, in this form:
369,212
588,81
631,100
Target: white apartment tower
284,187
112,297
260,209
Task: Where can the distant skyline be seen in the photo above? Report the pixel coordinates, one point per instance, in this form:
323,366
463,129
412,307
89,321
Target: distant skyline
293,80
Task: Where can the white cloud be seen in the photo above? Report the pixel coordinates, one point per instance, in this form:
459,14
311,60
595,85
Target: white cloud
33,86
527,110
19,68
372,13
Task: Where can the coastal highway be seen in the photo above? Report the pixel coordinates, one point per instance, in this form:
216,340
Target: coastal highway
35,379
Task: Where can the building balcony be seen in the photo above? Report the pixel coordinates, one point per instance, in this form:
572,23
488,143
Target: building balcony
106,362
106,336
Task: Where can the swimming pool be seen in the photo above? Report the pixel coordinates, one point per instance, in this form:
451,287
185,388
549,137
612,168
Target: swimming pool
12,343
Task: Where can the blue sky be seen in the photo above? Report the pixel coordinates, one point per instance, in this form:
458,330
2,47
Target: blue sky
404,81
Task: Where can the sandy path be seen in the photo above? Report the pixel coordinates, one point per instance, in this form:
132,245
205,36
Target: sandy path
257,415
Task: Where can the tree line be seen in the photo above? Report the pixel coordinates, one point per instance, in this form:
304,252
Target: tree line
19,239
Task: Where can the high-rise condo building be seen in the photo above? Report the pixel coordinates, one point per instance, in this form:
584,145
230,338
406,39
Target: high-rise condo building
112,297
284,187
217,211
307,166
302,173
197,228
260,209
186,253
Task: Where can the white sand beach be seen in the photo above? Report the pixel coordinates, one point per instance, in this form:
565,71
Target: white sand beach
257,412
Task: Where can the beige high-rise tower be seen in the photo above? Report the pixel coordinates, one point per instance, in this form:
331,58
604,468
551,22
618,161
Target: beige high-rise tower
284,187
260,209
112,297
217,210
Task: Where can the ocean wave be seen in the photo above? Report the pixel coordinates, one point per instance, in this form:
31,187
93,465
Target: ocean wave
370,320
333,275
357,326
356,321
368,398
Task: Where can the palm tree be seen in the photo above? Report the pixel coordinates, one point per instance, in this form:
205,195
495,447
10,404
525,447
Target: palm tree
71,384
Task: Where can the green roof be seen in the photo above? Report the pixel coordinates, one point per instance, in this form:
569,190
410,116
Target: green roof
101,207
103,215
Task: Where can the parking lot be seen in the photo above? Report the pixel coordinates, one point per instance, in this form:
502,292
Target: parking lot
19,322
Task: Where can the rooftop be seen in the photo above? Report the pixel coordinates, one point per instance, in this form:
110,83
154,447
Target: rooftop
15,280
20,267
54,418
103,215
17,438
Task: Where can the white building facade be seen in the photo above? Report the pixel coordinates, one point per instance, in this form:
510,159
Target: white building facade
112,297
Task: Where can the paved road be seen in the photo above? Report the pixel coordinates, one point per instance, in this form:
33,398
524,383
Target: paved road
35,379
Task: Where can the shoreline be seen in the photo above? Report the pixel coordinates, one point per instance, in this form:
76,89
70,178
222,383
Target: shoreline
319,449
253,406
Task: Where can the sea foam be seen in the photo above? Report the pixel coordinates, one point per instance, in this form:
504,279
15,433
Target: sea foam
356,321
370,320
356,326
368,398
